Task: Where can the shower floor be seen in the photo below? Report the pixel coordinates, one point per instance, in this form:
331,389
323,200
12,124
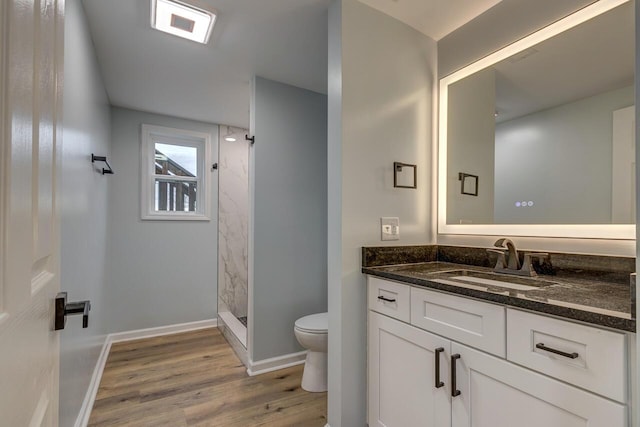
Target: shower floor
243,320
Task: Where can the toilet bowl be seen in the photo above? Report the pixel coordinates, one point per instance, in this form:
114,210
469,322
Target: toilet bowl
311,333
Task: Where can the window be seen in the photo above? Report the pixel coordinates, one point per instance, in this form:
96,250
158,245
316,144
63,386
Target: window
174,174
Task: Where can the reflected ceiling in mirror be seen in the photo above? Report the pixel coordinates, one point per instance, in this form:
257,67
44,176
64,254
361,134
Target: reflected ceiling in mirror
547,125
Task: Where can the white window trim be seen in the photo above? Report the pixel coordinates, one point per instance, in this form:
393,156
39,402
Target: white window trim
149,135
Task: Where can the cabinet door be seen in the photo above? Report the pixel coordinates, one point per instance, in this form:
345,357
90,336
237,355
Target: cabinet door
402,375
496,393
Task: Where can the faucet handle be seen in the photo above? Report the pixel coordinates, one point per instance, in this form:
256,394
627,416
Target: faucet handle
539,255
501,262
527,264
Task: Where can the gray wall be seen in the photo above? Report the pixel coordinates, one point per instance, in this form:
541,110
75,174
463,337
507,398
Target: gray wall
159,272
536,161
334,221
289,214
381,94
498,27
83,203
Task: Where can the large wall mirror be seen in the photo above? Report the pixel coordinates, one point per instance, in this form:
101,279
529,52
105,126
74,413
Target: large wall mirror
547,127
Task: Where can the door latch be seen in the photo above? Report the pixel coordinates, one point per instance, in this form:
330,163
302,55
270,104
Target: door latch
63,308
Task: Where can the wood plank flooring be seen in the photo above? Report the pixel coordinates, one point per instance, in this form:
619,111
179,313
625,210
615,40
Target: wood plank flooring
195,379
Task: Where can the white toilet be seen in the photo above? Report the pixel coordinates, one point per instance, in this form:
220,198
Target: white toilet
311,333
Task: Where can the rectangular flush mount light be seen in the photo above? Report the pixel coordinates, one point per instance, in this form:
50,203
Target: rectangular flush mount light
182,20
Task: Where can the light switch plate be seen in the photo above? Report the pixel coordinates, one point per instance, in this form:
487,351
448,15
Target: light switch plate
390,228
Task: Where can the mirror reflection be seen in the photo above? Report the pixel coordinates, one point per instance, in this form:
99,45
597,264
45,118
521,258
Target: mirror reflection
549,131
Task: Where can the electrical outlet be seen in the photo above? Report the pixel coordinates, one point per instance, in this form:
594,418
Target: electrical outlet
390,228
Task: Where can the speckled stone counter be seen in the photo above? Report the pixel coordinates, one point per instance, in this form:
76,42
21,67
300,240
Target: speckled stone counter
584,298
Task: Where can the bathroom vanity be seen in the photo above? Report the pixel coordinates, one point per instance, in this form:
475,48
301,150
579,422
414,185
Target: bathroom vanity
451,342
457,345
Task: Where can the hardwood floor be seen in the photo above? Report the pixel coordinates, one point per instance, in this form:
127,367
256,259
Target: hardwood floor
195,379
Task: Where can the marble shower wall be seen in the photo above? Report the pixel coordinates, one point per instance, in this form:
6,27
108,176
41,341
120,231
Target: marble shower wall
233,206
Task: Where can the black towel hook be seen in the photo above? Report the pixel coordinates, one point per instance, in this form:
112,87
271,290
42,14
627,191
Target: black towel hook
95,158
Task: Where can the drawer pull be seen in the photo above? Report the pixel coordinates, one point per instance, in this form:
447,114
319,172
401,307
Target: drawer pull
386,299
438,382
541,346
454,388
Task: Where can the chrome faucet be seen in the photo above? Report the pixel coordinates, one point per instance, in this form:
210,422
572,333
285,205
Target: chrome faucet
508,261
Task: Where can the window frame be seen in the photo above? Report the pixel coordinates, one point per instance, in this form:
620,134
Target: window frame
152,134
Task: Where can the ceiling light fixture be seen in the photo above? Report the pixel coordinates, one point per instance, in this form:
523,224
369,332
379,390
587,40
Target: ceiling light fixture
230,135
183,20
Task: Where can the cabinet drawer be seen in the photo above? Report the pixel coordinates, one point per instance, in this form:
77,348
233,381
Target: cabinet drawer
389,298
590,358
478,324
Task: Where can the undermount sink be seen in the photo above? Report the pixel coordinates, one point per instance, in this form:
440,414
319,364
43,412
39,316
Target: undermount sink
469,277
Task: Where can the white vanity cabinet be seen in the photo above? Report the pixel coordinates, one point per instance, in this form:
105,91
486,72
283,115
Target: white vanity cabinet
435,369
497,393
404,365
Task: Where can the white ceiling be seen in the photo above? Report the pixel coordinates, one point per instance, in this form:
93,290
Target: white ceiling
283,40
145,69
434,18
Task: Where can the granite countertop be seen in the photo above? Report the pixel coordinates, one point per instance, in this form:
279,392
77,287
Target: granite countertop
598,302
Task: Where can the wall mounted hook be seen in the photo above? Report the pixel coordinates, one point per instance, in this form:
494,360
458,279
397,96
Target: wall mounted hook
95,158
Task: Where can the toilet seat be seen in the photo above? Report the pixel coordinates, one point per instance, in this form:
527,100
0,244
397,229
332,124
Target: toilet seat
313,324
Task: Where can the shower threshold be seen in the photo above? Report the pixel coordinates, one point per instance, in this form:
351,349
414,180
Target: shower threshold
235,326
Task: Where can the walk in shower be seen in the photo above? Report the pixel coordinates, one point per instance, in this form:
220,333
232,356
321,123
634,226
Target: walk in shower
233,241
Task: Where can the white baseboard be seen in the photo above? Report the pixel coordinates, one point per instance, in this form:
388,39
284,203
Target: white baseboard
275,363
162,330
92,391
87,405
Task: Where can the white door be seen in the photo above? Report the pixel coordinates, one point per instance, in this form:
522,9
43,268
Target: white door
497,393
402,375
31,37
